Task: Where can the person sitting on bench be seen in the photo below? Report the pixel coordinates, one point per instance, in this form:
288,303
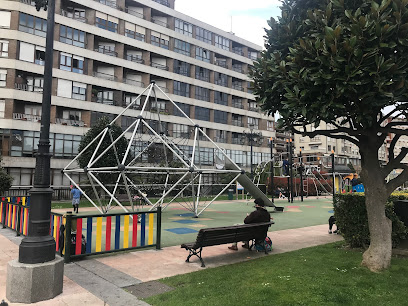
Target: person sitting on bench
257,216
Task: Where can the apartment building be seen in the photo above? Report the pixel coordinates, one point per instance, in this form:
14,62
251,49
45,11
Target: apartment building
106,53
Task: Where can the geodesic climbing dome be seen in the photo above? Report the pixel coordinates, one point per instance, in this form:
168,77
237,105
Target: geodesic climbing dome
156,169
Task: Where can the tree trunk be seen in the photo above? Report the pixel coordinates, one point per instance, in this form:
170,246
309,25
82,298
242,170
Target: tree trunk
378,256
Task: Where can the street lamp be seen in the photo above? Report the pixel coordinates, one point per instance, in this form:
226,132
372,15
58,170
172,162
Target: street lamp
38,274
253,137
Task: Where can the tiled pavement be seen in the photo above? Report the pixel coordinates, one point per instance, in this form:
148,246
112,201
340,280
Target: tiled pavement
99,281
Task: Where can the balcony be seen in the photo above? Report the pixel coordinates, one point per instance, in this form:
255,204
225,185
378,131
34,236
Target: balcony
237,86
165,89
163,2
237,103
105,101
107,2
159,22
133,82
70,122
220,139
238,51
29,2
159,66
162,111
106,50
74,16
105,76
253,109
237,123
238,68
221,82
135,58
239,141
26,87
26,117
40,61
135,13
222,64
181,134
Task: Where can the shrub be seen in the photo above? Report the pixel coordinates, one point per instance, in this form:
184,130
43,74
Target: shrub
351,218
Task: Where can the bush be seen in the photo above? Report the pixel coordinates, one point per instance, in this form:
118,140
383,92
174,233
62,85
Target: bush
351,218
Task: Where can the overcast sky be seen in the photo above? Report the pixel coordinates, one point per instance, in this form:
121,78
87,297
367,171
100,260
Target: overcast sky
248,16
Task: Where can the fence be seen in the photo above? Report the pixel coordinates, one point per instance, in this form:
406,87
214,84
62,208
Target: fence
14,213
60,192
88,234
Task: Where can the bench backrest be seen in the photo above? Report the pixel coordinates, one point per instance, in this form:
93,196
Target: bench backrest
229,234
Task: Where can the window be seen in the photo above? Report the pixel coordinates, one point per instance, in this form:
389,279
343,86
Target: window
181,47
32,25
105,97
181,89
220,79
3,77
4,48
221,42
72,36
253,55
202,93
130,99
160,40
220,116
220,136
184,107
237,120
181,68
95,116
78,91
69,62
202,113
159,106
254,122
202,74
74,13
35,84
250,87
39,55
203,54
183,27
181,130
203,35
106,22
71,115
269,125
220,98
253,106
135,31
2,109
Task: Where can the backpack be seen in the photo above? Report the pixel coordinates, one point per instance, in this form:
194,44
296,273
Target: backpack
264,245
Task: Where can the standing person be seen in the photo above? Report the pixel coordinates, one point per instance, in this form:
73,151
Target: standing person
257,216
76,196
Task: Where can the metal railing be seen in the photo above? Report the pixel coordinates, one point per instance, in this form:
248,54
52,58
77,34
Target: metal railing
237,104
135,58
105,76
240,141
163,2
238,68
159,66
221,82
109,3
238,51
220,139
134,13
133,82
159,22
237,86
69,122
107,51
221,63
237,123
26,87
72,15
26,117
253,109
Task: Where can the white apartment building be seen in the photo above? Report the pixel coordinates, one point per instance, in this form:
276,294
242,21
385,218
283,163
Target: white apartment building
106,53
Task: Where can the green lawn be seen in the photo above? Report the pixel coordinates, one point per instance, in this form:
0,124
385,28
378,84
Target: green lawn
323,275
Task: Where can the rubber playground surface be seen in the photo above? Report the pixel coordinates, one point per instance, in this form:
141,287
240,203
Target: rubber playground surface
179,225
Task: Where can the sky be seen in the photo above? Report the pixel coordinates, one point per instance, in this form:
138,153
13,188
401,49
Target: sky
249,17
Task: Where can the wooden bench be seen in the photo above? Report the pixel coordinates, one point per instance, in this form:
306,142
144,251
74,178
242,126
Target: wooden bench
228,234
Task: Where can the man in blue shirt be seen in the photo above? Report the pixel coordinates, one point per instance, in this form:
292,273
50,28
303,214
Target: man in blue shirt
76,196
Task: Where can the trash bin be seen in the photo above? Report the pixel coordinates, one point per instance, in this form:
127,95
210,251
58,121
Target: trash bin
230,194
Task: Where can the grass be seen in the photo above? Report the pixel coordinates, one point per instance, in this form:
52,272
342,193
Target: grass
323,275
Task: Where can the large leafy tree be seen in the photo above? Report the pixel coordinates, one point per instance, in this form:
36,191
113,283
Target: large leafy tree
343,62
5,180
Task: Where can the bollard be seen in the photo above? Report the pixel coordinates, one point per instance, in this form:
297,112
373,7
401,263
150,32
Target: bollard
158,228
67,254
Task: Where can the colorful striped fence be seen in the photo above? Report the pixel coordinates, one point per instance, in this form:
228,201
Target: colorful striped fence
109,233
14,213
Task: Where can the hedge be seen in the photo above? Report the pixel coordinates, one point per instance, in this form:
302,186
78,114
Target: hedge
351,218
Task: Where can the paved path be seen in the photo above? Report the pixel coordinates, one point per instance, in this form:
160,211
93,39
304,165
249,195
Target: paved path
99,281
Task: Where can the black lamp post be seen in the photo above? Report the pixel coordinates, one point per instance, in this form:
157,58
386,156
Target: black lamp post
39,246
272,174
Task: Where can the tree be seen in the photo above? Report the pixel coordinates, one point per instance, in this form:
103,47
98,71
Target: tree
109,159
343,62
5,179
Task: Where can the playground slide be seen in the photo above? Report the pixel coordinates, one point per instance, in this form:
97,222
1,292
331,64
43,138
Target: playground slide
249,186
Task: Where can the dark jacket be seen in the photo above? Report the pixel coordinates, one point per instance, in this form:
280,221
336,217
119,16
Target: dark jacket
258,216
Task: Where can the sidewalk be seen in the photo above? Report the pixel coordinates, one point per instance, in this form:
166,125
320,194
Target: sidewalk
99,280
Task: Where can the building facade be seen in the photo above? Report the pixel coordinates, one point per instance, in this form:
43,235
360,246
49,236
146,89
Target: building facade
105,54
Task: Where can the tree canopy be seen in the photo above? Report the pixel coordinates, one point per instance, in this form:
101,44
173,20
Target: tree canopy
343,62
5,180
